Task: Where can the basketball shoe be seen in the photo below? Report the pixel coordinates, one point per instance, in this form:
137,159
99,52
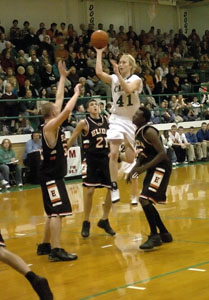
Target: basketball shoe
85,229
153,240
59,254
104,224
166,237
41,286
43,249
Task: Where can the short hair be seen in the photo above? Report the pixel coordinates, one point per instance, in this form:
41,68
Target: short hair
46,110
91,100
146,113
181,127
173,126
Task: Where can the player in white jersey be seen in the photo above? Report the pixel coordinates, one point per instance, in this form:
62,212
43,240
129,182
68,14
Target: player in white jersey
125,93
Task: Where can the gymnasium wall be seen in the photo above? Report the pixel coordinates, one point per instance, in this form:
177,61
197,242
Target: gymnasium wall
141,14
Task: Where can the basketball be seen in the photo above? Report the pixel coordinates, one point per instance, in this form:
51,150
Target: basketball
99,39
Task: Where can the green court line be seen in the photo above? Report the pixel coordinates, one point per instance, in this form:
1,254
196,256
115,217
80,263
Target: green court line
144,280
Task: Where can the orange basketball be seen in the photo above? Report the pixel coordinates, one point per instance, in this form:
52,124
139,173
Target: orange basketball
99,39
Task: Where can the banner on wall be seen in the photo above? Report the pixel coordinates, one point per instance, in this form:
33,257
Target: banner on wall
91,12
74,167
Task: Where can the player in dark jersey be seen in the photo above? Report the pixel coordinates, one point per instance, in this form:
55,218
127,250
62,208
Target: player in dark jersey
53,170
155,161
93,130
39,284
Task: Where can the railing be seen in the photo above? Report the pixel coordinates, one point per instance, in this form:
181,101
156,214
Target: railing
157,111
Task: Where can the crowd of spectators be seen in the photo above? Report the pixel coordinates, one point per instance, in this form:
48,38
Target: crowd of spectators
186,146
169,63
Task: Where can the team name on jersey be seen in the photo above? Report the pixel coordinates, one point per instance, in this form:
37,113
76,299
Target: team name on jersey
98,131
118,88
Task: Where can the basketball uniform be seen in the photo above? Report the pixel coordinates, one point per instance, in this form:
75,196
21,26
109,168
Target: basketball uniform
53,170
157,178
123,108
2,244
96,153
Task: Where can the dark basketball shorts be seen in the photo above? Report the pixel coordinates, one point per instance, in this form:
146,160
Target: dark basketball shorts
155,184
97,172
55,198
2,244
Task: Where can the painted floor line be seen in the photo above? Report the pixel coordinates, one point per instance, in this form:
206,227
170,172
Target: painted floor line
106,246
197,270
144,280
136,287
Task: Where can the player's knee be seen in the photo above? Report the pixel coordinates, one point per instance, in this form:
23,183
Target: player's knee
144,202
114,155
130,159
2,253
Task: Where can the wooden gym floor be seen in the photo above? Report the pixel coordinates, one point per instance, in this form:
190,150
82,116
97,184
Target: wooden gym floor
114,267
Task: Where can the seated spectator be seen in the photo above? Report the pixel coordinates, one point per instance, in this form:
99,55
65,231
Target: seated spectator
175,107
30,40
178,146
34,78
102,109
28,107
41,27
2,42
69,125
10,107
203,137
189,147
47,77
9,162
196,108
167,143
80,113
192,139
32,157
149,79
61,52
21,77
82,81
7,61
33,145
35,63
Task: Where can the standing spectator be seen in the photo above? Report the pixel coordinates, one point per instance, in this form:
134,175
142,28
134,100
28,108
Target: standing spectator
15,34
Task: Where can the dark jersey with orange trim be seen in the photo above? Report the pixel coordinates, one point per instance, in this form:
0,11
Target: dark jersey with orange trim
94,141
148,151
54,164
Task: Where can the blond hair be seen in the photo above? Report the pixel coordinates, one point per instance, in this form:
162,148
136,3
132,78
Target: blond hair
46,110
131,60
